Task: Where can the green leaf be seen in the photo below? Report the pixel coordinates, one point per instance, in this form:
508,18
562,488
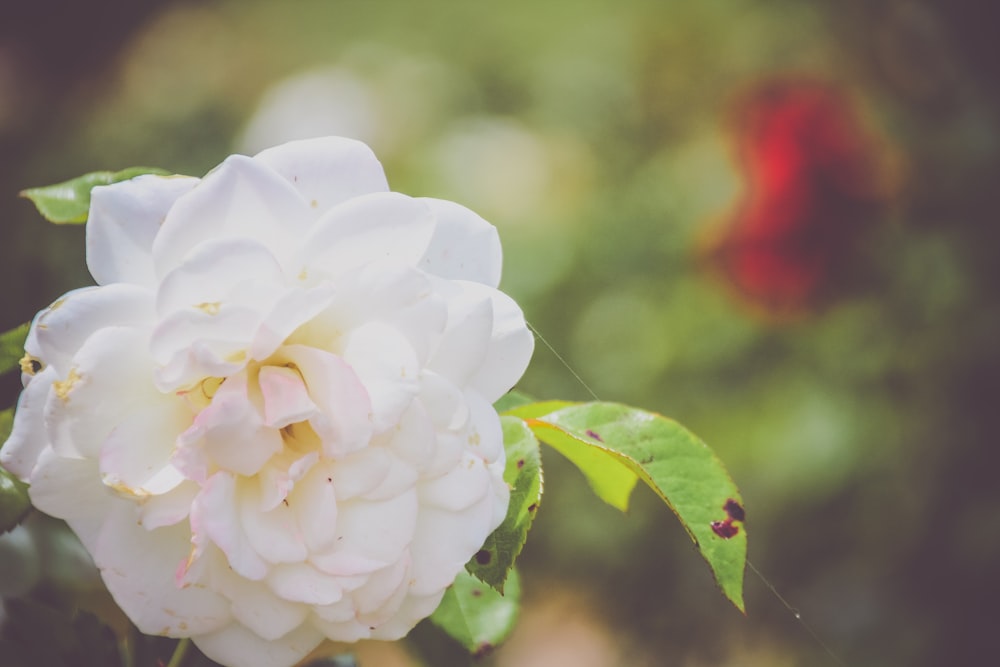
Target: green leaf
609,442
511,400
14,502
12,347
535,410
475,615
69,202
6,424
523,473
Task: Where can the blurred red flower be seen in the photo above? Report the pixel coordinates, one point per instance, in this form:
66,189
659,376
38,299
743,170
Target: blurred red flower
816,180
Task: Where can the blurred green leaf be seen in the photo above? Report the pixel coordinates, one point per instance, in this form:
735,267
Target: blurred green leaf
69,201
6,424
511,400
14,502
524,475
475,615
527,410
615,445
12,347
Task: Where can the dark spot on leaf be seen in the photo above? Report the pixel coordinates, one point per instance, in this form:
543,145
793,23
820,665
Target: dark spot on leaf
532,507
734,510
520,463
483,650
647,460
724,529
594,435
476,592
483,557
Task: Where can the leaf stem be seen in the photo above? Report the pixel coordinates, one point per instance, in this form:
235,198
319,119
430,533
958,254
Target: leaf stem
177,659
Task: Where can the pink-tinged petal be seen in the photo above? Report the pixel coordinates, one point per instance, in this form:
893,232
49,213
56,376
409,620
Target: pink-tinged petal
286,399
387,366
315,506
237,645
241,198
70,489
62,328
215,517
343,423
303,583
217,271
463,347
414,609
382,226
327,170
169,508
229,434
464,246
277,479
135,457
510,350
123,221
138,568
191,345
275,534
28,438
350,569
110,379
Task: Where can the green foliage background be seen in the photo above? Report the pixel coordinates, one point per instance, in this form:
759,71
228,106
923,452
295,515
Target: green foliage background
594,136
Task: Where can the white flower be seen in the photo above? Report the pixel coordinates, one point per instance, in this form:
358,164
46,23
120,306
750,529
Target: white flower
271,422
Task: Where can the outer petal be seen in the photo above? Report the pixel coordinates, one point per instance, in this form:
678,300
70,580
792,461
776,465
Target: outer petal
62,328
124,219
380,226
236,645
138,567
242,198
510,349
89,502
464,246
135,458
28,439
111,378
327,170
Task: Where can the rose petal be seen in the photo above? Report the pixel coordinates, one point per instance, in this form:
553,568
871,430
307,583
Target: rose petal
54,476
464,246
138,568
241,198
110,380
327,170
135,458
301,582
215,517
237,645
387,367
124,219
343,423
28,438
381,226
62,328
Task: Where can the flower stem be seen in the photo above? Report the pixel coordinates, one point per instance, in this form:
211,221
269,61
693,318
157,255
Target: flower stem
177,659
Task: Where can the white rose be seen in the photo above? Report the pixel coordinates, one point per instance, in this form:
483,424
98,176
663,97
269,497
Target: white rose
271,422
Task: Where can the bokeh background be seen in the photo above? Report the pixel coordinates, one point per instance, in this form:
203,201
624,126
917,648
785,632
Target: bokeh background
773,221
